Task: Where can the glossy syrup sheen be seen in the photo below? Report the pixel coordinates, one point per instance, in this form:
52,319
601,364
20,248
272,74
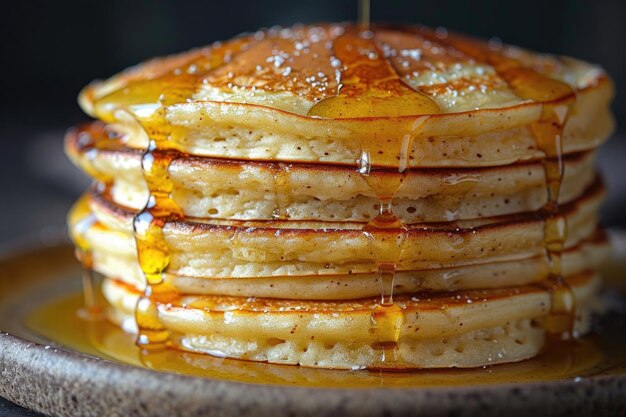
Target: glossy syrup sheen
371,87
57,322
152,249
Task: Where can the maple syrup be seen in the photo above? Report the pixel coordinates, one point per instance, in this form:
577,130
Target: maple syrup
146,103
92,138
372,88
152,250
557,99
549,133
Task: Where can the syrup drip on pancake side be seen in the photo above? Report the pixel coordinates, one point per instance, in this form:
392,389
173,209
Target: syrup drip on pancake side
371,88
558,99
145,102
152,250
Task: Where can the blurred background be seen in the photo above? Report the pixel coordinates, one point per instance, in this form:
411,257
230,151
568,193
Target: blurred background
52,49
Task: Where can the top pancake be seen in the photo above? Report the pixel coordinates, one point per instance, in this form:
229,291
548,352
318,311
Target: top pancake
327,93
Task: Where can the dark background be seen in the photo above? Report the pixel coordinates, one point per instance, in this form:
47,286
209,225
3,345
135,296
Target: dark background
51,49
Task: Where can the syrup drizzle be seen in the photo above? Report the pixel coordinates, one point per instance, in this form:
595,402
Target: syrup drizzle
557,98
145,102
91,309
152,249
549,133
364,14
371,87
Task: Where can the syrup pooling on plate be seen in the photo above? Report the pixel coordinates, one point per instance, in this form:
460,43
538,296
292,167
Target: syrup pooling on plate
561,360
557,98
370,87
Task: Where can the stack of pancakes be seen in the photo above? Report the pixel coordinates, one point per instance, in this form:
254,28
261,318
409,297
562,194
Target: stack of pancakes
341,197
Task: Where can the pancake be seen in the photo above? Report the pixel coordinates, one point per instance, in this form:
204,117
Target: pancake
229,189
588,255
484,121
461,329
251,249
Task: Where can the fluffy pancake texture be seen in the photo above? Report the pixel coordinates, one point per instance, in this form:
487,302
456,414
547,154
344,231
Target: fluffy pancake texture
461,329
218,188
253,249
250,197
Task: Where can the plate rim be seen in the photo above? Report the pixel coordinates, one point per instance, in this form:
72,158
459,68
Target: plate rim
29,364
